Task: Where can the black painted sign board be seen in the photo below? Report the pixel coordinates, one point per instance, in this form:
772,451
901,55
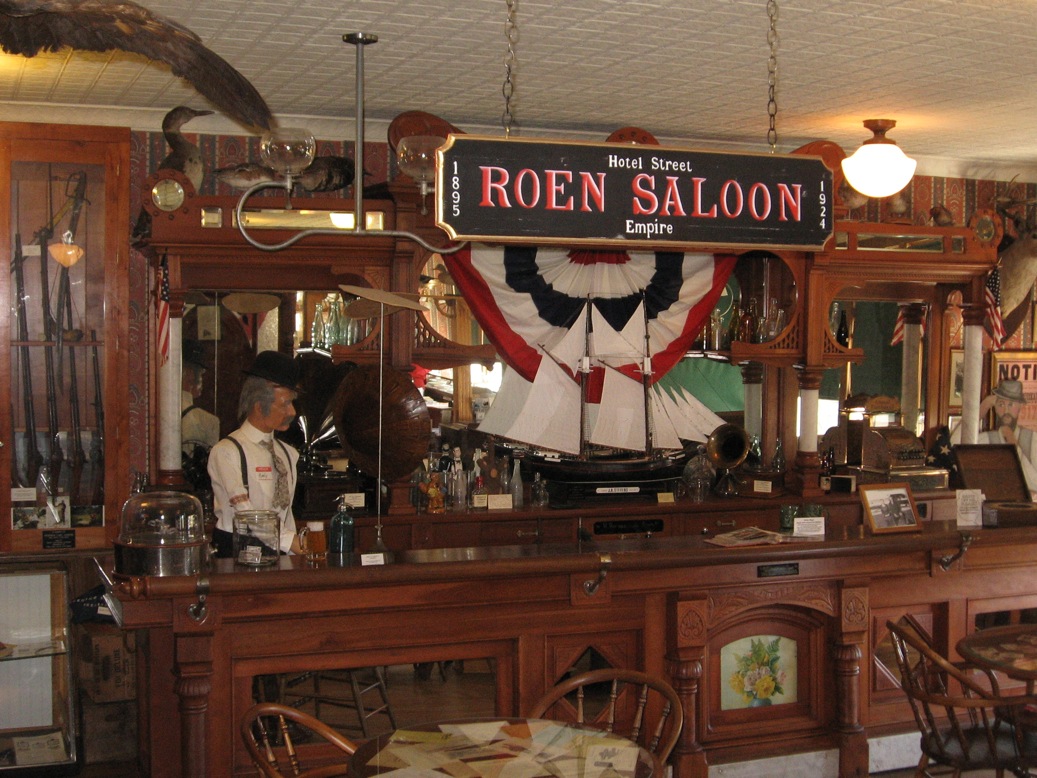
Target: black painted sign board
625,195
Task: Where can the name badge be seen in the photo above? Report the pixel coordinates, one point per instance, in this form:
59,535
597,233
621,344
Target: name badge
265,473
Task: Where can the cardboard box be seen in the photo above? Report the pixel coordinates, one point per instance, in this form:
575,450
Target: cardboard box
107,662
109,731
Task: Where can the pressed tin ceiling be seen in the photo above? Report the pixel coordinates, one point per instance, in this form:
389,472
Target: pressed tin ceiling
959,77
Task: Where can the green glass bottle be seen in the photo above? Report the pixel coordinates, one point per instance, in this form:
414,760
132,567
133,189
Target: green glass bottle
341,530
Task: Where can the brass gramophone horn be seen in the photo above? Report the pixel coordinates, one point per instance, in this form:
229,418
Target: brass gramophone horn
406,424
727,447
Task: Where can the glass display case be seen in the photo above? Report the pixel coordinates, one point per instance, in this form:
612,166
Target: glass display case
65,215
37,700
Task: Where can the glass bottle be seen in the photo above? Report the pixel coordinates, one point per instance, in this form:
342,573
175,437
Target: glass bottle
480,497
705,336
754,459
317,329
332,327
778,460
747,324
842,334
778,325
717,331
516,485
538,492
341,530
833,318
734,324
505,477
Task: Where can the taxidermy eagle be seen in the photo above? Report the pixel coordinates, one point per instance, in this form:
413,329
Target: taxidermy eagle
28,27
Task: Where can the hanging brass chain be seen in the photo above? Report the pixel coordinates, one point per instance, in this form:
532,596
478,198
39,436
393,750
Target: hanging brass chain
772,73
510,66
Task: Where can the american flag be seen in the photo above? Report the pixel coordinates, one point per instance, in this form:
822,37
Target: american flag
162,311
993,322
898,327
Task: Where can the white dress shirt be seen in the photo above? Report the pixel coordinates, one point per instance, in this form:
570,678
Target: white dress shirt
225,472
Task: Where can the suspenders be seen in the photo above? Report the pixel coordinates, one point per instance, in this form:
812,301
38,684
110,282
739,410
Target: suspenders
244,465
221,538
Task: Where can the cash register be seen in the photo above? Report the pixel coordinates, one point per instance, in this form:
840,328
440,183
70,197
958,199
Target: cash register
871,445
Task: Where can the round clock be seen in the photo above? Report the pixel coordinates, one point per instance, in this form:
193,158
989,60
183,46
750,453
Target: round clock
166,191
988,227
167,194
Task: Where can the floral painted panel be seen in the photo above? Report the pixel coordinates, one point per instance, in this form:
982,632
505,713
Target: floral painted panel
758,671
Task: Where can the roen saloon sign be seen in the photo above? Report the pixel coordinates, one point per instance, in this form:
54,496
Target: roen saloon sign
629,195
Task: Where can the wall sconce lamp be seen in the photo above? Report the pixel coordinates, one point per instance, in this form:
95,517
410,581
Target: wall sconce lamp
879,168
290,151
416,157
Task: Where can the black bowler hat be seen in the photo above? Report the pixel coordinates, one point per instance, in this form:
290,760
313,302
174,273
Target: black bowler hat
277,367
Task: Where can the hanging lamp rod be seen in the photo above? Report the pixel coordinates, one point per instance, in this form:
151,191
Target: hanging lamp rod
358,40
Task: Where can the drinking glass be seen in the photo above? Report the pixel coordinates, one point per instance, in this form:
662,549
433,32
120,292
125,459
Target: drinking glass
314,541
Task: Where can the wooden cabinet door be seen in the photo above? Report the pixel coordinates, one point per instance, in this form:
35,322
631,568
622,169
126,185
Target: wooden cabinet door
64,214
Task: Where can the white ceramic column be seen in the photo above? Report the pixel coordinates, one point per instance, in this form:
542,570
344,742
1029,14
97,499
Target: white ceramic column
972,386
808,405
752,391
169,381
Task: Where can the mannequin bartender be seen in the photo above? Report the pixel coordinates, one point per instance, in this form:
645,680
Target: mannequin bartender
250,468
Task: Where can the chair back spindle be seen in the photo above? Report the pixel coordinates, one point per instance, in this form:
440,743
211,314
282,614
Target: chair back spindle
256,732
630,698
964,721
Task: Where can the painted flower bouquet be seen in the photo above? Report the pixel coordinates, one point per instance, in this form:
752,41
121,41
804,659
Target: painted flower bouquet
759,677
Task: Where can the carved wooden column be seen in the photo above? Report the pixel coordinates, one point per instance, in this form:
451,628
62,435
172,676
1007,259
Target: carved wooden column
194,654
808,465
853,742
686,638
911,364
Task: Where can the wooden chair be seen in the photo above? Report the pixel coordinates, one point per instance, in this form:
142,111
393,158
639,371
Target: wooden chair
624,697
363,689
268,753
964,721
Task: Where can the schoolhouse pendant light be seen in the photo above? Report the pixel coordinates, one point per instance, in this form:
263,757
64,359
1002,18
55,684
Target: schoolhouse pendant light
879,168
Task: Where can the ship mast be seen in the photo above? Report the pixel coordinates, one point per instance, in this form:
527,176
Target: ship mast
646,378
585,372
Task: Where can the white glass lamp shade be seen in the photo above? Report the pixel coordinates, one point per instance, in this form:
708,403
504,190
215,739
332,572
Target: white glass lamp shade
288,149
878,168
416,156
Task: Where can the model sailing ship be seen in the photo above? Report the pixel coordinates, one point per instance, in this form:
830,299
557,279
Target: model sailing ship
587,336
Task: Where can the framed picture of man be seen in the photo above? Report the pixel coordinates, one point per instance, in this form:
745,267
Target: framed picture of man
1016,371
889,507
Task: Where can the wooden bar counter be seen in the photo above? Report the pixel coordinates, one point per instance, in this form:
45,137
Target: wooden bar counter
670,604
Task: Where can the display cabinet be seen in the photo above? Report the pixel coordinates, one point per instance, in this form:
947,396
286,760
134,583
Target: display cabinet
37,700
64,211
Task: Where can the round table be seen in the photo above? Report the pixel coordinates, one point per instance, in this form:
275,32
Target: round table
531,747
1009,650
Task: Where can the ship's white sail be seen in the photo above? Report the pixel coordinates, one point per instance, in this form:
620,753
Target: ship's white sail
545,412
620,419
570,383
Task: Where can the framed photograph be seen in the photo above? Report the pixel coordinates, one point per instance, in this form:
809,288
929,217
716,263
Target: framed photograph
956,379
1018,366
889,507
